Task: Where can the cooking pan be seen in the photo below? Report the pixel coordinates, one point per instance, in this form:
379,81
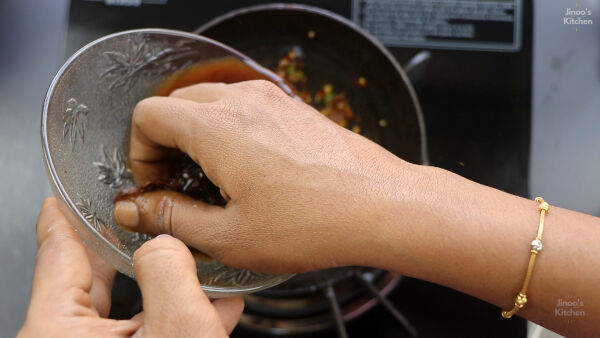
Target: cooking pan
337,52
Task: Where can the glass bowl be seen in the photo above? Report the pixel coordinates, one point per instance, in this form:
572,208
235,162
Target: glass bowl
85,130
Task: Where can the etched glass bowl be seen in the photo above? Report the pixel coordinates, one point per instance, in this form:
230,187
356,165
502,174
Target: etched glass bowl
85,129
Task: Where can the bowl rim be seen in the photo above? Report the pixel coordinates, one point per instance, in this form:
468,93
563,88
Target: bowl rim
57,186
302,8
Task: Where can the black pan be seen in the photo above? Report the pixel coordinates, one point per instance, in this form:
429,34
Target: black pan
338,53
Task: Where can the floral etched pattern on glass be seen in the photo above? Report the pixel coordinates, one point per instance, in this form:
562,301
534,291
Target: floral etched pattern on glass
235,277
75,121
112,169
141,58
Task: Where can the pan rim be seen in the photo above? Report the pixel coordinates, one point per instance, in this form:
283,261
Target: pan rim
344,21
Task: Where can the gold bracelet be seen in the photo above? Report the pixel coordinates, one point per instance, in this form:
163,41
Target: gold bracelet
536,247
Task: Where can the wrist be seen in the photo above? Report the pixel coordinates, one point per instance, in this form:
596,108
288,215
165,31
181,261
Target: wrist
415,207
402,227
391,212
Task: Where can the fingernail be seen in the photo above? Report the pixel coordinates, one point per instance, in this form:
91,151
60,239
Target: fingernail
126,214
162,236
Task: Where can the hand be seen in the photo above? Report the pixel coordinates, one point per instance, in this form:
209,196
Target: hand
72,286
303,193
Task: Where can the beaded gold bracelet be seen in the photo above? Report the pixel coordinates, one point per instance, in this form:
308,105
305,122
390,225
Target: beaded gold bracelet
536,247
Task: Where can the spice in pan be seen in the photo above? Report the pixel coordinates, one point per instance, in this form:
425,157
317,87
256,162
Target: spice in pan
329,102
361,81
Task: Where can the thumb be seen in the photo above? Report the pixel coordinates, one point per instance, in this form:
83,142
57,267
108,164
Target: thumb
173,213
174,304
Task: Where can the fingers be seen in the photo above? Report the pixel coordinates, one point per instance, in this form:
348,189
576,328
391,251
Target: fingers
103,275
229,310
198,120
169,212
161,124
172,297
150,140
62,265
166,273
195,120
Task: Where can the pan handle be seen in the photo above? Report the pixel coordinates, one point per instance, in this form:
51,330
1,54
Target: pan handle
416,61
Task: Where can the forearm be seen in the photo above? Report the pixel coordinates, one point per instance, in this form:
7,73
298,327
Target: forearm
306,194
476,239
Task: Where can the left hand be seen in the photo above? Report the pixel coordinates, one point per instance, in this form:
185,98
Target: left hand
72,287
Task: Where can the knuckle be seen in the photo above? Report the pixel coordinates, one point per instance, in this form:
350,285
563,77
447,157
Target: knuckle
182,91
225,113
141,107
49,202
266,88
63,243
80,296
143,104
199,90
163,214
266,93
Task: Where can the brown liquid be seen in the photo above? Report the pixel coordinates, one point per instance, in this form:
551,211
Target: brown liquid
227,70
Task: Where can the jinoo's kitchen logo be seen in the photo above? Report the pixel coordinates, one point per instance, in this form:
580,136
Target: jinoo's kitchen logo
569,309
577,17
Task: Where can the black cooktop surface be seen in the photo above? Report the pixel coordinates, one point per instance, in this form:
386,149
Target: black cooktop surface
477,112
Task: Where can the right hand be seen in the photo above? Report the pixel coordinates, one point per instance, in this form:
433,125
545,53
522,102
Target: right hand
303,193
